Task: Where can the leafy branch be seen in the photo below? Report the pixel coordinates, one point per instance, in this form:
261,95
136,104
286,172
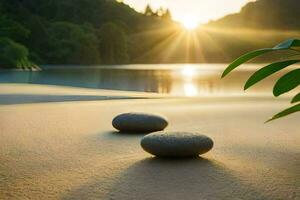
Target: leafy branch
286,83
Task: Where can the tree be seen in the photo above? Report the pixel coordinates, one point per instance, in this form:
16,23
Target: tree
72,44
149,11
160,12
13,54
167,15
286,83
56,32
113,44
12,29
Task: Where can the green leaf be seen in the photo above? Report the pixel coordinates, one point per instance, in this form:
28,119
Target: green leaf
288,44
267,71
296,98
249,56
244,59
286,83
286,112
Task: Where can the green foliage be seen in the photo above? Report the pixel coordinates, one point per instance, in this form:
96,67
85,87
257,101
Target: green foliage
286,112
267,71
113,46
72,44
143,39
13,54
296,98
286,83
289,44
75,31
12,29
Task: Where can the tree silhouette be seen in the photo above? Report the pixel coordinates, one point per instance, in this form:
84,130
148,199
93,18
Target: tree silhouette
149,11
113,44
167,15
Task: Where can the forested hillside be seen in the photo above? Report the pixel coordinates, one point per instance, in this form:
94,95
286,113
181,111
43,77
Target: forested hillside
91,32
264,14
71,31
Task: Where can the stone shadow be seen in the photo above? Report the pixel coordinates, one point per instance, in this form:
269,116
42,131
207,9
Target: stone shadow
155,178
11,99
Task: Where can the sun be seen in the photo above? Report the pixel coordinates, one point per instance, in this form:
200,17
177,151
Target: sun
190,22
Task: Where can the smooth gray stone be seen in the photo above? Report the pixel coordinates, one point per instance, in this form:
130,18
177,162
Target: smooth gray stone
139,122
176,144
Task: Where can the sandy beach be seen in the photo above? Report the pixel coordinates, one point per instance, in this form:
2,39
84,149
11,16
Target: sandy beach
58,143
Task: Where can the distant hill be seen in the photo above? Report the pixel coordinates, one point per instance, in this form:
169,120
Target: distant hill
264,14
73,32
92,32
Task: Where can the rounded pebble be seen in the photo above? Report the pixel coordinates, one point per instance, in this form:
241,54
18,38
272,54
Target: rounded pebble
139,122
176,144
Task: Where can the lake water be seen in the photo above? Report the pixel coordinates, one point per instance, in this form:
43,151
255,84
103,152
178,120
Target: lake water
175,79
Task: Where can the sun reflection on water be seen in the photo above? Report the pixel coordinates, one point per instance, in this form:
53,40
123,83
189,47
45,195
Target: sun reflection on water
188,74
190,89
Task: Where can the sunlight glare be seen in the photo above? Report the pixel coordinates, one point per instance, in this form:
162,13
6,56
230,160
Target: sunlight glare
188,72
190,89
189,22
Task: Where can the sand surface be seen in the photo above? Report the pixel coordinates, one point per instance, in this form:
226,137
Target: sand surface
53,149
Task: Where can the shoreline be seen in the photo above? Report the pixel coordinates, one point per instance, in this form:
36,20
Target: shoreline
16,93
69,150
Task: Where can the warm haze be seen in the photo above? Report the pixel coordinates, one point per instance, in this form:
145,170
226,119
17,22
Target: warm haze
128,99
190,12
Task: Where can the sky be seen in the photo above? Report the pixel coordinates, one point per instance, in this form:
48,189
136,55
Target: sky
200,10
